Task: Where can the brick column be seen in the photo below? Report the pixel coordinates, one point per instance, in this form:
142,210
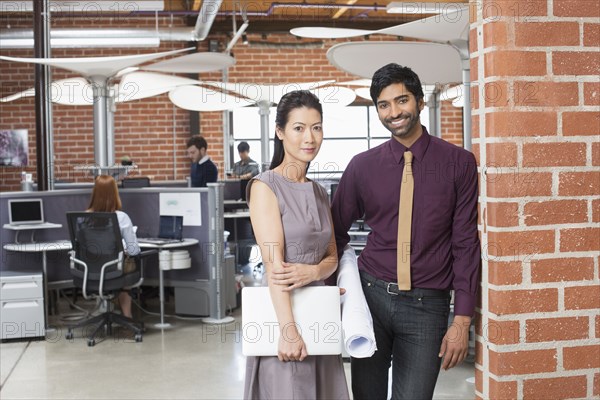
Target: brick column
536,128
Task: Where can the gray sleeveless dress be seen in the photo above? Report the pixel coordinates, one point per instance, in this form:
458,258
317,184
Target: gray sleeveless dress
304,209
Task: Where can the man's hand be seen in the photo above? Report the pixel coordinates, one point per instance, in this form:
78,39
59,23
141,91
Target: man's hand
455,345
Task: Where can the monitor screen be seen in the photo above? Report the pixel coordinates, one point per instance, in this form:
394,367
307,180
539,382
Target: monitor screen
25,211
171,227
139,182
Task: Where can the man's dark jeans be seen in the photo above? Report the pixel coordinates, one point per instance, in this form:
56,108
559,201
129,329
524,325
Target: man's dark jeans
409,328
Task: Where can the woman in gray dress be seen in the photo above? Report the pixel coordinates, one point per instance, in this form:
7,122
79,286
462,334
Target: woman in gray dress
292,224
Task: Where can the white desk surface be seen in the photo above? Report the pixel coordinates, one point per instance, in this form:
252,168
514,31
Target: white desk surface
234,202
59,245
184,243
238,214
29,227
66,245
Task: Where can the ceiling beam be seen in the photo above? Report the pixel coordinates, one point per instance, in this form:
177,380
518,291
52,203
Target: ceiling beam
342,10
260,26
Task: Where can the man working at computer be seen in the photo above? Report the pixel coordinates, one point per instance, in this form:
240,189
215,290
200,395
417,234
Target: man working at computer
246,168
202,170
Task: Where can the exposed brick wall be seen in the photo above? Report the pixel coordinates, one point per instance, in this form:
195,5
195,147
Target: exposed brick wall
153,131
452,123
536,128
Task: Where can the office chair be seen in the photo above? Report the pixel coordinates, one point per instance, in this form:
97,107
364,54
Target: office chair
97,261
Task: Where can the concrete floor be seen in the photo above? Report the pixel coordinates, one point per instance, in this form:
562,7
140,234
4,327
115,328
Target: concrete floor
190,360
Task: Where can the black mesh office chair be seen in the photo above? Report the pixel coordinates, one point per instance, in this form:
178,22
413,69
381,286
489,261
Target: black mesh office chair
97,261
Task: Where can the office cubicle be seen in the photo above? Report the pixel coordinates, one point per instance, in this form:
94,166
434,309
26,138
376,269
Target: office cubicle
205,282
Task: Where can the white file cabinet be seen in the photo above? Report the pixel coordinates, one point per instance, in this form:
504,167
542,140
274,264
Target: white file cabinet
21,305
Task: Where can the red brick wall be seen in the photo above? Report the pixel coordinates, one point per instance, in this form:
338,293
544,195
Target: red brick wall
452,123
535,68
153,131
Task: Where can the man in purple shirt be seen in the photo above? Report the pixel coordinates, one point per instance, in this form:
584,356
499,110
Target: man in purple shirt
411,326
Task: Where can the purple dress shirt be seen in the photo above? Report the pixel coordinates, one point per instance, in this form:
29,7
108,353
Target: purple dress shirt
445,250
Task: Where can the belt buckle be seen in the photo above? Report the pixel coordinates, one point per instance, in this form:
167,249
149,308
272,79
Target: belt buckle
388,288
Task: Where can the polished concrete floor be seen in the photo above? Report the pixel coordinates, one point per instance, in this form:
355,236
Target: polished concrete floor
189,360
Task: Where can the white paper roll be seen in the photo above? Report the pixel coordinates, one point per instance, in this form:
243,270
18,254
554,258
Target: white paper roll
357,323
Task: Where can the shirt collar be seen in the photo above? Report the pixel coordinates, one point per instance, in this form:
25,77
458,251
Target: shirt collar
418,148
203,160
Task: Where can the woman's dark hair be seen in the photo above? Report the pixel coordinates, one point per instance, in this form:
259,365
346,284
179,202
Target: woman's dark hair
394,73
288,103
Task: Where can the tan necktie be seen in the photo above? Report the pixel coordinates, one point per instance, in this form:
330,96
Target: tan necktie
405,223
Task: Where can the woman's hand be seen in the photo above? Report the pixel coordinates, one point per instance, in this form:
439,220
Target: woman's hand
291,345
293,275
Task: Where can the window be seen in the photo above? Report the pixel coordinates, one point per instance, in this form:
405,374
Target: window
348,131
246,128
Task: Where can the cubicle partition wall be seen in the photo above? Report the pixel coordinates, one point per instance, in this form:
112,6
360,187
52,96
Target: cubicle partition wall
201,290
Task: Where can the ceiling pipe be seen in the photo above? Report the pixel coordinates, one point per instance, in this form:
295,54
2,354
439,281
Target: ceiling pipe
206,16
239,33
269,12
23,38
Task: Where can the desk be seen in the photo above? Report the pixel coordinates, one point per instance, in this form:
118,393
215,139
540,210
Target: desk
30,227
235,215
167,246
44,247
239,202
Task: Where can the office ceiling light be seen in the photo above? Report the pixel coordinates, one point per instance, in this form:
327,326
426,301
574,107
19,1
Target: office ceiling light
92,7
410,7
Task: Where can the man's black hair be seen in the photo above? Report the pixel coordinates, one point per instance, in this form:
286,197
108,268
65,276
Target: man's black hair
394,73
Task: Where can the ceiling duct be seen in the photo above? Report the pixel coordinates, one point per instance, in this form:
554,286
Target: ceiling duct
86,6
118,37
206,17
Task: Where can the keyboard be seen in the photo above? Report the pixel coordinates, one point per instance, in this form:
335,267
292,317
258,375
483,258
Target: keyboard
158,240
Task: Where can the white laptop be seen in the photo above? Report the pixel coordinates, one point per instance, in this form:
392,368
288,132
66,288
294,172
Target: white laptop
316,312
25,211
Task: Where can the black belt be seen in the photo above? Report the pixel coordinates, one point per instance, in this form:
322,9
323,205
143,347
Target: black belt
392,287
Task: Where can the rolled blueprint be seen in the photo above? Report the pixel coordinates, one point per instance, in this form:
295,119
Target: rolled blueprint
357,323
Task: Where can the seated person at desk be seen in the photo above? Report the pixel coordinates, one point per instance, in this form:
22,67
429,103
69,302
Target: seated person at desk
246,168
105,198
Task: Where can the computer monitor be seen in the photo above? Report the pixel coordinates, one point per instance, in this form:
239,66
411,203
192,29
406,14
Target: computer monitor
139,182
25,211
231,189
